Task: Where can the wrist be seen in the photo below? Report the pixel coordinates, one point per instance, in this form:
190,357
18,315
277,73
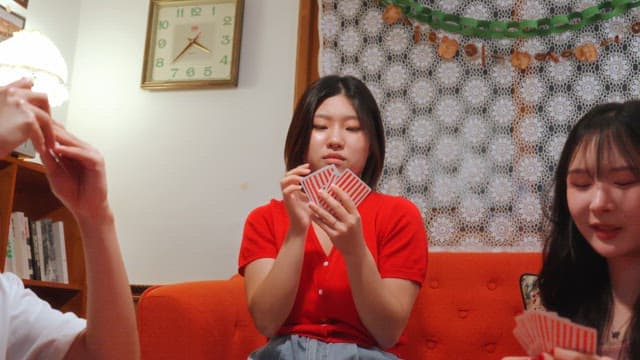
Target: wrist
356,253
97,217
297,232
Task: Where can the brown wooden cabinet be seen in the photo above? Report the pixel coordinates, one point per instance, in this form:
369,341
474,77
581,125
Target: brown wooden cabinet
24,187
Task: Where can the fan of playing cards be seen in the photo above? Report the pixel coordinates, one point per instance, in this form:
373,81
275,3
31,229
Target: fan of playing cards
322,179
541,331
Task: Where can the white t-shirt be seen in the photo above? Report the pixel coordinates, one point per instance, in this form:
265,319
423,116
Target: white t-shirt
29,327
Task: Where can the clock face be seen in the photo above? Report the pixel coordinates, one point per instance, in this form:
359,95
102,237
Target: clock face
192,42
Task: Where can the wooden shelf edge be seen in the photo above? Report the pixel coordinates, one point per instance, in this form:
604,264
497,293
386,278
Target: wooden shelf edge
32,165
50,285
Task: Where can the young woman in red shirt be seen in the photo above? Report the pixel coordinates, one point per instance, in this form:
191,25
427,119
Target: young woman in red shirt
336,283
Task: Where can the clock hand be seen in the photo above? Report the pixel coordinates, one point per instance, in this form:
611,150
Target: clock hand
189,44
200,46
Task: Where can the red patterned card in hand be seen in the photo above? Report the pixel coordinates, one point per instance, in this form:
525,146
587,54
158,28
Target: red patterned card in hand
318,180
323,178
353,186
541,331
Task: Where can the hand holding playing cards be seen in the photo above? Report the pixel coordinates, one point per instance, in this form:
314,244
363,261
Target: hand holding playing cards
340,219
334,197
294,199
543,332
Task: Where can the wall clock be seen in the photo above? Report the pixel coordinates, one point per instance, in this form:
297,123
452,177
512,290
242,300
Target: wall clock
192,44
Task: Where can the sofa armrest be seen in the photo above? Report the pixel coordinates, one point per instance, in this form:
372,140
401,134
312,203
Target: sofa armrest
185,321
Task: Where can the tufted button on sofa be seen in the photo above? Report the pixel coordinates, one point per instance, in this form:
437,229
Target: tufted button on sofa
465,310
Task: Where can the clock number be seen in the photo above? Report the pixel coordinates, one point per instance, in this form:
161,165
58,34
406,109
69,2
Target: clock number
208,71
228,20
224,60
159,62
180,12
163,25
191,72
213,10
174,72
196,11
226,40
162,43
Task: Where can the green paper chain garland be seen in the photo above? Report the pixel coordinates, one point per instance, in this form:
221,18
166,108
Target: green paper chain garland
512,29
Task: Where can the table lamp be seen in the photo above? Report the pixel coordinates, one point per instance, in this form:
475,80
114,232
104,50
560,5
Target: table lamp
33,55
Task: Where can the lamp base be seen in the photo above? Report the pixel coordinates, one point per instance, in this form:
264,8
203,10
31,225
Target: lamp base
26,149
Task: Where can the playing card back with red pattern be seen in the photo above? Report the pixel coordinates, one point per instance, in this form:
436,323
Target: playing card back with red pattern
541,331
351,183
318,180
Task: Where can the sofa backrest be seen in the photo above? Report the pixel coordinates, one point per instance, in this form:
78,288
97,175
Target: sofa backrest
465,310
467,305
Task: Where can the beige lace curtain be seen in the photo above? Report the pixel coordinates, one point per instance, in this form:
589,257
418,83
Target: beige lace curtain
474,146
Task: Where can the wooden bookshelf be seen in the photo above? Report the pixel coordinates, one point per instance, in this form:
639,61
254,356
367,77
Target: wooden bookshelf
24,187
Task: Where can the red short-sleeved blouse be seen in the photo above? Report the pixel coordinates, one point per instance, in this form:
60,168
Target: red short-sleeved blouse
324,308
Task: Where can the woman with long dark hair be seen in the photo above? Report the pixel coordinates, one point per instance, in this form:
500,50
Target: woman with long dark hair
591,267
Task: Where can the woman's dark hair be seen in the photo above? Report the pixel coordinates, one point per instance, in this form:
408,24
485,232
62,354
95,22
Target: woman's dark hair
574,280
299,134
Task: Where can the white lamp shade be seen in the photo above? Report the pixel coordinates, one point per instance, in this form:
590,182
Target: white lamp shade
31,54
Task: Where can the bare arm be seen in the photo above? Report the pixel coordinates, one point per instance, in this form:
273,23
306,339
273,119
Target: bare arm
80,183
111,327
384,305
272,284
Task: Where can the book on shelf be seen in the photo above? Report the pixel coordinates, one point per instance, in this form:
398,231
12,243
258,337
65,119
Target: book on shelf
10,256
20,232
48,251
28,253
38,249
35,274
62,273
36,240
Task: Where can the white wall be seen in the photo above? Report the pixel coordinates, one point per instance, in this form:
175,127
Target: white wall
184,167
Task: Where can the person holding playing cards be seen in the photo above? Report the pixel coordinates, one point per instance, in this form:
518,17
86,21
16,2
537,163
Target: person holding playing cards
29,327
591,266
324,276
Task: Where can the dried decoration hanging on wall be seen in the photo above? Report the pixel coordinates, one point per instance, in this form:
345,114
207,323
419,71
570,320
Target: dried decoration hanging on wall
422,17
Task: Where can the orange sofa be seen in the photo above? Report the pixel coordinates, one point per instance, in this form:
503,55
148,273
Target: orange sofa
465,310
